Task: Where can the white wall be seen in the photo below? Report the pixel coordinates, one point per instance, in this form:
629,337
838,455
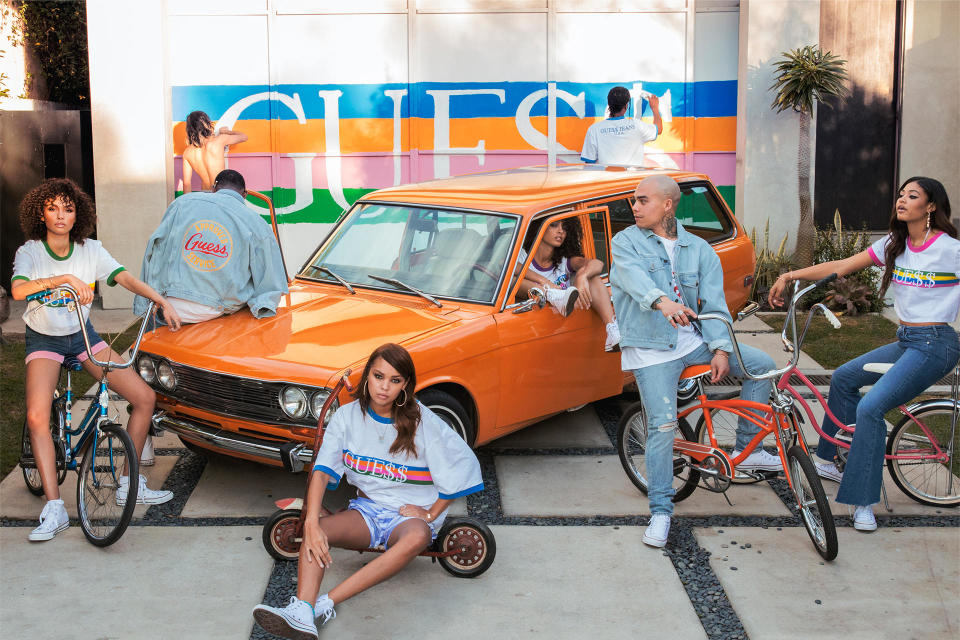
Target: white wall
931,95
767,142
132,145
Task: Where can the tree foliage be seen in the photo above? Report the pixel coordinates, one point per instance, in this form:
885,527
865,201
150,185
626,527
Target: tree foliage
805,76
55,34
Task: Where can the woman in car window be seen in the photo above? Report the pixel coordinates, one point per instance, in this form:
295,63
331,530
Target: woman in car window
569,280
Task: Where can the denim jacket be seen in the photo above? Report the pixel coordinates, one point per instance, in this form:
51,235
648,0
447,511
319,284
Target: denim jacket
212,249
641,273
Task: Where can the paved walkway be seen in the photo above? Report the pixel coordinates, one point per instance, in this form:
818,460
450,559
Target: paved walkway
569,564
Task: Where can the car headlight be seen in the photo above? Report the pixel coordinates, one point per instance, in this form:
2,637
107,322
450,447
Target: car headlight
166,376
293,401
316,405
147,369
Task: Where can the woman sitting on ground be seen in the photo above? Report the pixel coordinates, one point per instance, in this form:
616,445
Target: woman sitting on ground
408,467
568,279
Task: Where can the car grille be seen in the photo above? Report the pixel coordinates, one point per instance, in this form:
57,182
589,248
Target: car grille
230,395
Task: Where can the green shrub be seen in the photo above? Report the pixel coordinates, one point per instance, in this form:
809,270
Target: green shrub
770,265
858,292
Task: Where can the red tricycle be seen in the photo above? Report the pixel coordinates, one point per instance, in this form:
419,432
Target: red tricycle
464,546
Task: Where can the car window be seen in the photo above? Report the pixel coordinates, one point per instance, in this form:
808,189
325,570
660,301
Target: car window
598,227
699,212
443,253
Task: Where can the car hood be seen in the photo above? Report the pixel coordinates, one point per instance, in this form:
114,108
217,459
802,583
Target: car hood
313,333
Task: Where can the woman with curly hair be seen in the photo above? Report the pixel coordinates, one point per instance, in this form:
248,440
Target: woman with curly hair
569,280
408,467
57,218
205,150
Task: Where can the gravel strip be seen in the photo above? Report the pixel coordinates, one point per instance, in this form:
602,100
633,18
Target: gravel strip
182,480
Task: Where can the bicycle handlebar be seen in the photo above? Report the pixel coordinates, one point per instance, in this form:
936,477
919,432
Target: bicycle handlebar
789,321
67,295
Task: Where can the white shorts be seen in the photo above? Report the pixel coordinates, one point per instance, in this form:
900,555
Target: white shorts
382,520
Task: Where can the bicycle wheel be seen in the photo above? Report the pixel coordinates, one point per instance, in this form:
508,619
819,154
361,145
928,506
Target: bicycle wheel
725,431
632,449
28,465
812,502
928,481
103,521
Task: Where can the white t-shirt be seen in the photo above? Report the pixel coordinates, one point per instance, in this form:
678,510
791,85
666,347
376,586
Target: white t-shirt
688,338
559,275
925,280
358,446
191,312
617,141
88,261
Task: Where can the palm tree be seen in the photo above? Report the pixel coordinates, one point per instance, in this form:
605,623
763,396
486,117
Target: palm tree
803,77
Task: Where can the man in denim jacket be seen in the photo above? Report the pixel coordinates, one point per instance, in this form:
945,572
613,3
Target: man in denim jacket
662,277
211,255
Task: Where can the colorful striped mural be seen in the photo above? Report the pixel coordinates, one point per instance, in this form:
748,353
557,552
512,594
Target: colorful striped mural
332,115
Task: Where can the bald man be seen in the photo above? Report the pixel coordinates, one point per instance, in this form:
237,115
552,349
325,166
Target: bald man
662,277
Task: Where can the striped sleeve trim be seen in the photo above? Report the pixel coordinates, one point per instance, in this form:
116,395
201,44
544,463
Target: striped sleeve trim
19,278
459,494
877,261
112,278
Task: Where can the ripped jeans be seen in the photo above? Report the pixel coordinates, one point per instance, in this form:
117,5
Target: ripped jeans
658,390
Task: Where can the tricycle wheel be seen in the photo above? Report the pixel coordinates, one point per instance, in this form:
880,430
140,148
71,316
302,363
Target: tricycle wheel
474,544
280,534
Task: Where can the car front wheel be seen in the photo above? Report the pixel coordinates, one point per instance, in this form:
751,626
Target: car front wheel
450,411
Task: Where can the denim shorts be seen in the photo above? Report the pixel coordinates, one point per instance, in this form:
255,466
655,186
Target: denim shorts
382,521
40,345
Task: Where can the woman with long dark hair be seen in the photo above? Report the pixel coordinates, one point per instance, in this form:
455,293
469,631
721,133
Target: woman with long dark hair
408,467
921,262
568,279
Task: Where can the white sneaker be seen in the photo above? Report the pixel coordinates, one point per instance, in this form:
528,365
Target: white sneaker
657,531
144,495
613,337
863,518
829,471
759,460
146,456
53,520
563,300
294,621
324,609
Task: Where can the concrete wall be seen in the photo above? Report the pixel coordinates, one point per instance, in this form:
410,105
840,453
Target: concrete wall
930,128
132,143
767,142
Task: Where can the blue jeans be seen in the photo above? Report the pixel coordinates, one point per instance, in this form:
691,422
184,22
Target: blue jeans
922,355
658,390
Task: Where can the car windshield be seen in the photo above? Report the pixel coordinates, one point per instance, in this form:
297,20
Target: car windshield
447,254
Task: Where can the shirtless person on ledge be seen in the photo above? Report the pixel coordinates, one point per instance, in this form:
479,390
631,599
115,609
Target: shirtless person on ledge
205,150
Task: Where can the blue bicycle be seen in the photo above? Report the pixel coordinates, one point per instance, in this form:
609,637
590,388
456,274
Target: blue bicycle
99,449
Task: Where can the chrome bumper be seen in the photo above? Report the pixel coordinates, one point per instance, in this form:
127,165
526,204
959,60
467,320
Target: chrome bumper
230,441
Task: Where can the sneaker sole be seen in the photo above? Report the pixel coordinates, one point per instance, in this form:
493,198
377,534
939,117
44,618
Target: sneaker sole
759,467
164,499
571,302
612,349
652,542
829,477
866,528
280,626
43,537
148,463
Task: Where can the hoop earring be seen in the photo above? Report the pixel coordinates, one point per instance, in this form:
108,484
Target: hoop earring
363,389
400,404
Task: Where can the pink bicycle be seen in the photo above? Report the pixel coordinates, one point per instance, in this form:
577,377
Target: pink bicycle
922,448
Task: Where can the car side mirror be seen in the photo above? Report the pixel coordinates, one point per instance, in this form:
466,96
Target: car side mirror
536,298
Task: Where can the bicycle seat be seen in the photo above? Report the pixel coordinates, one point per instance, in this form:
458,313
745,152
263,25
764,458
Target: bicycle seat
70,363
878,367
695,371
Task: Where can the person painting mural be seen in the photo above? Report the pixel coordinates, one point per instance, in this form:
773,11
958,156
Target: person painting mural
205,150
618,139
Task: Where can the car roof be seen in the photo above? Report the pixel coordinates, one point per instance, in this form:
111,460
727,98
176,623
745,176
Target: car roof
525,190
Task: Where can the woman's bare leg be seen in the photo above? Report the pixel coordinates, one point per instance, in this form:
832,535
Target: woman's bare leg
600,300
134,390
42,377
346,530
405,543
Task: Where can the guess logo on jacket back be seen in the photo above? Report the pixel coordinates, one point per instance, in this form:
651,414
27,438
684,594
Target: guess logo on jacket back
207,246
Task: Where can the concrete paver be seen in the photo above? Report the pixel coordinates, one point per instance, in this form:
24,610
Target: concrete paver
155,582
597,485
572,429
539,586
893,583
19,503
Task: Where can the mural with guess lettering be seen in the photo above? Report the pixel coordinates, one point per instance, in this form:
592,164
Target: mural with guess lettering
337,105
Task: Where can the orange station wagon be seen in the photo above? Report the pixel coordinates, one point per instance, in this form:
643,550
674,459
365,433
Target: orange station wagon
433,267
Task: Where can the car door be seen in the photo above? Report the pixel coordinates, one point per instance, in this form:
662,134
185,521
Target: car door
549,363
